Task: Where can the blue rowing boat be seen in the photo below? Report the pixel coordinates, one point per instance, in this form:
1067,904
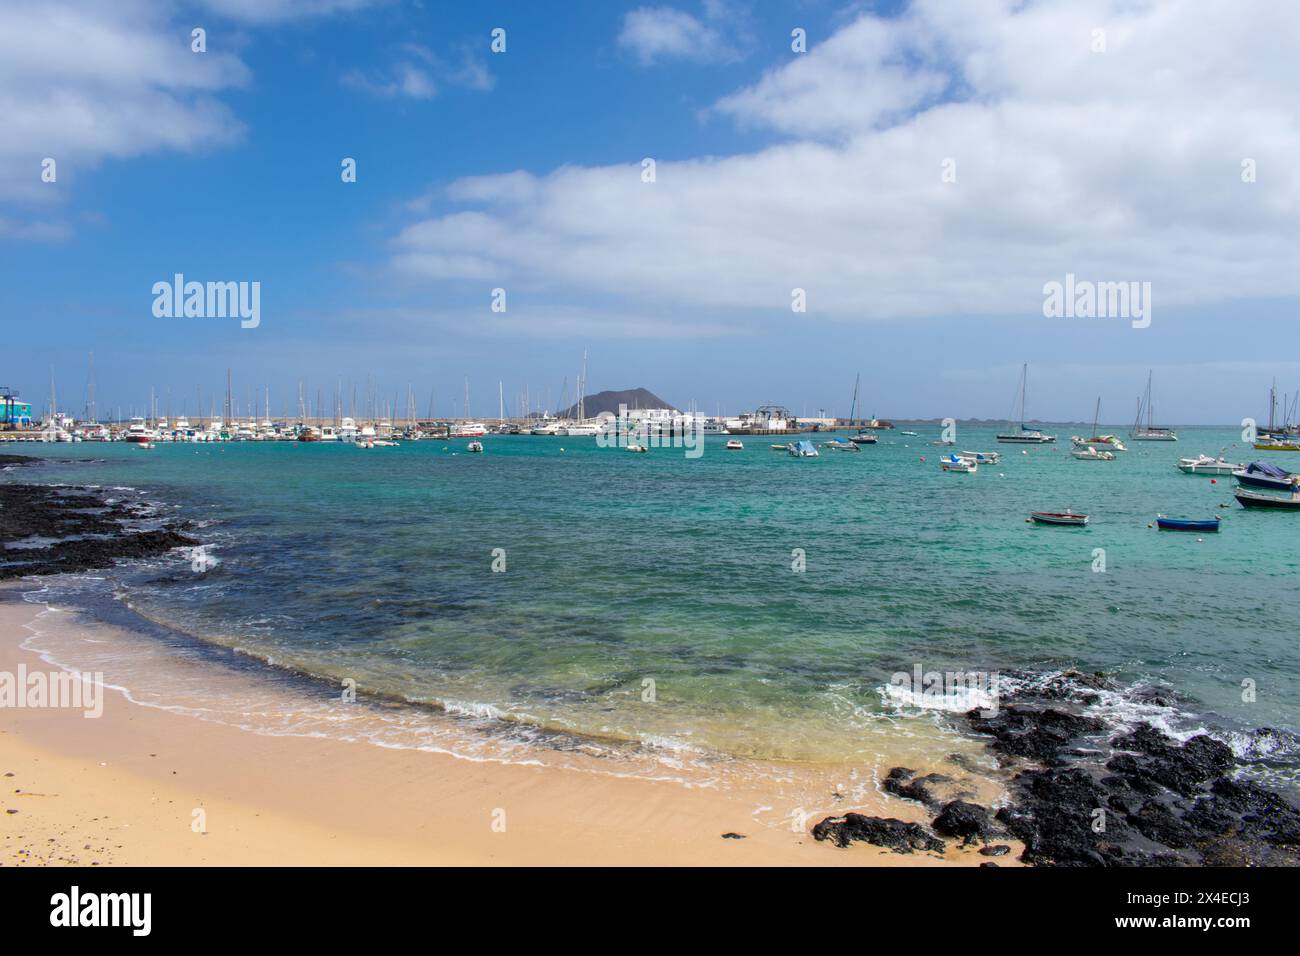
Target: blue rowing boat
1187,524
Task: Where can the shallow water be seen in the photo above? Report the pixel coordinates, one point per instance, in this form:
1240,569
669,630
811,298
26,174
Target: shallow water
650,599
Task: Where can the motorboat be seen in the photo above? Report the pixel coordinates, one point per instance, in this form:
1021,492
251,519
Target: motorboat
958,464
1089,453
802,449
1205,465
474,446
1253,499
735,444
981,457
1263,474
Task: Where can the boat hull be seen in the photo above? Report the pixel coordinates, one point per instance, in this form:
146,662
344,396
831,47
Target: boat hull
1251,499
1187,524
1064,519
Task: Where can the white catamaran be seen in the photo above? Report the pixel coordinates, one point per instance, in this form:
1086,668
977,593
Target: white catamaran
1149,432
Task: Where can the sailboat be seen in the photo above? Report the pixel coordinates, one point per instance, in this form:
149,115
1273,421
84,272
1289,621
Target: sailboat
1149,432
1097,442
1026,435
864,435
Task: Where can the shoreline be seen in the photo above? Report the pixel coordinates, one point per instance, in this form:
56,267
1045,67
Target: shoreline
127,784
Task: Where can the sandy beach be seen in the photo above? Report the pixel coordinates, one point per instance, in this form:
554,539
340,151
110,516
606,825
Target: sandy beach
123,788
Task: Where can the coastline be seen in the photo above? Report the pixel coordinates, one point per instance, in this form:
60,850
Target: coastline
121,789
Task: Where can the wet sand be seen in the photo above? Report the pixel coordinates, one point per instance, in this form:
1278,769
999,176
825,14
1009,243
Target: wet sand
123,788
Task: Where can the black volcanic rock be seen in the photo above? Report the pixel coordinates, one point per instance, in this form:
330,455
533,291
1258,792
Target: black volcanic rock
87,531
969,821
879,831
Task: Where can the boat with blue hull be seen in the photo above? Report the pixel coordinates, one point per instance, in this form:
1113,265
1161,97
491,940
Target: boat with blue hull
1263,474
1187,524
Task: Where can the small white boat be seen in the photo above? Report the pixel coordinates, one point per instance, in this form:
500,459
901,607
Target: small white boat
803,449
958,464
912,434
639,449
1205,465
735,444
785,447
1091,454
476,446
981,457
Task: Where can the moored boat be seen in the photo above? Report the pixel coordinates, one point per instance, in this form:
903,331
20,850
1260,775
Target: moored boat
1263,474
803,449
1088,453
735,444
1187,524
958,464
1205,465
1025,435
1066,517
981,457
474,446
1253,499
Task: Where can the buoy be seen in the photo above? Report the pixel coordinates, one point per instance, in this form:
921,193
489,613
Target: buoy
923,458
1214,481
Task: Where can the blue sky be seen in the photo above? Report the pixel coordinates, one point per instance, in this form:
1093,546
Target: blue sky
521,170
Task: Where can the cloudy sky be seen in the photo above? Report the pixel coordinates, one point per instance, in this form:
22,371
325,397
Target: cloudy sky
920,170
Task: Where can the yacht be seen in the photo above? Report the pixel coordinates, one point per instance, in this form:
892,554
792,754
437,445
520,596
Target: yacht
138,432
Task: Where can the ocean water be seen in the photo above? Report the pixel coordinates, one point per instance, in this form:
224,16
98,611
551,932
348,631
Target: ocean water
650,603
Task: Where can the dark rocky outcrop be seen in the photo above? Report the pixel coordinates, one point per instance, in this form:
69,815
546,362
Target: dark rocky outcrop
84,531
968,821
879,831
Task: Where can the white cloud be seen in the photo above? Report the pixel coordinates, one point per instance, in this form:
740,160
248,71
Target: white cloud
277,11
662,33
81,82
417,73
1123,165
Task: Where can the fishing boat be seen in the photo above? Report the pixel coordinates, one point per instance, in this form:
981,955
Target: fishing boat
958,464
1149,432
1253,499
308,433
1263,474
474,446
1205,465
802,449
981,457
1088,453
735,444
1187,524
1025,435
1275,443
1066,517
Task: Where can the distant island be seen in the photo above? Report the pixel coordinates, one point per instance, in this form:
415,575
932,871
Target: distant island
607,401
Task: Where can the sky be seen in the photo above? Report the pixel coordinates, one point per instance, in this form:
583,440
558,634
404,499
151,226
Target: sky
921,170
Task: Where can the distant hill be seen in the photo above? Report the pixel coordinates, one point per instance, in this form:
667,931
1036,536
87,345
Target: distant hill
601,402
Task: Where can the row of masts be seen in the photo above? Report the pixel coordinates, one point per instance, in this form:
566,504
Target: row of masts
372,409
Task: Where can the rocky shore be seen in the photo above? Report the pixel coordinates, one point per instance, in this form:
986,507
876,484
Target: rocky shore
53,530
1083,795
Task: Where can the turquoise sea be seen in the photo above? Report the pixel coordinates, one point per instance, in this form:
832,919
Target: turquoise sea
652,601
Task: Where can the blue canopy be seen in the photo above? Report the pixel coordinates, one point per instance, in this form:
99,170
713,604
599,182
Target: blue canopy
1266,468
